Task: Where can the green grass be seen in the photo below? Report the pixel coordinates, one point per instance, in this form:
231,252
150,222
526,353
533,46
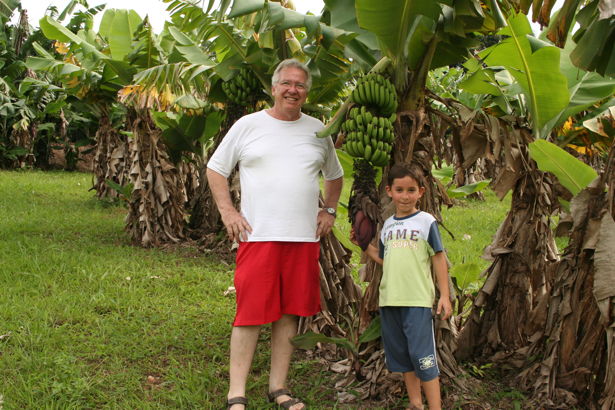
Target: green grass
85,318
89,321
473,224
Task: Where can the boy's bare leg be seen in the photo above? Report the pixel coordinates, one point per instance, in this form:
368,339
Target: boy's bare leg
432,393
243,345
282,349
413,385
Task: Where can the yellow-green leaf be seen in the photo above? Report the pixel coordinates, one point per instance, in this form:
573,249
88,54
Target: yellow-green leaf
573,174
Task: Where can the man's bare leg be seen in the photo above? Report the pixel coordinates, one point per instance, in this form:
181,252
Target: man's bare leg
281,351
243,346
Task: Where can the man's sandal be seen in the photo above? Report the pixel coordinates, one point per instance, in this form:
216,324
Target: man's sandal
237,400
285,404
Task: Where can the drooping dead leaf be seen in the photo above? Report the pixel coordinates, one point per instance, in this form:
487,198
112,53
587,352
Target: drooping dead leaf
508,177
604,263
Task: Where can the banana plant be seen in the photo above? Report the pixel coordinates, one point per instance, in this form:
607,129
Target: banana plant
24,96
184,134
586,89
534,85
7,7
82,62
412,37
593,48
538,82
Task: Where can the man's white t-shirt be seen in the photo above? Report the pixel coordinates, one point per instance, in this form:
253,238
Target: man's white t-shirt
279,167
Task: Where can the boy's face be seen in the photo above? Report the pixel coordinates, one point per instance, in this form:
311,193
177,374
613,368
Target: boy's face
405,193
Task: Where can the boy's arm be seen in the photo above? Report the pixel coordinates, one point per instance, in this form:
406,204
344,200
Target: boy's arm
371,250
373,253
438,262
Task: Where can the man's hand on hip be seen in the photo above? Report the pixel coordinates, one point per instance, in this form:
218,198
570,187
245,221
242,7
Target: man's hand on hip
324,223
236,226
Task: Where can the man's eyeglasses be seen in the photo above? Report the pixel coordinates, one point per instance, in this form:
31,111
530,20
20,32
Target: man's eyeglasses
289,84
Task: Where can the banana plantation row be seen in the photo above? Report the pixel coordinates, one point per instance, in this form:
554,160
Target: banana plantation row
464,84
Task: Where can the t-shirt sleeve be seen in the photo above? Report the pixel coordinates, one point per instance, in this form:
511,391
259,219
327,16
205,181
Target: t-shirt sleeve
332,169
226,156
434,238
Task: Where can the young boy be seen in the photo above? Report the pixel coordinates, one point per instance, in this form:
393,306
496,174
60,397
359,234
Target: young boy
410,245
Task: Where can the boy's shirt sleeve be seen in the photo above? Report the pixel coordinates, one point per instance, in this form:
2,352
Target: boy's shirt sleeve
434,239
381,242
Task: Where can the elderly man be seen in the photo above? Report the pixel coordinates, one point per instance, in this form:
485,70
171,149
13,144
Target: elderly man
279,225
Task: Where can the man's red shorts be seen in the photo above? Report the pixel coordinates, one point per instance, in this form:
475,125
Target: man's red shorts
276,278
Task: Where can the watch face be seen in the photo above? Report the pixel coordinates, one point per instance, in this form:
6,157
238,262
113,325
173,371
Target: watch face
330,211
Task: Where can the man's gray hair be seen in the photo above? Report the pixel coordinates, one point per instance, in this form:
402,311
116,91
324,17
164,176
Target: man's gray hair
292,62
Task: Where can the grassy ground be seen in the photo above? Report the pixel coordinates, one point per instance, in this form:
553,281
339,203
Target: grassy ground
88,321
468,227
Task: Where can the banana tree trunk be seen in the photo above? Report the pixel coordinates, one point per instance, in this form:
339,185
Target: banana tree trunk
24,138
111,159
156,208
505,314
339,294
576,346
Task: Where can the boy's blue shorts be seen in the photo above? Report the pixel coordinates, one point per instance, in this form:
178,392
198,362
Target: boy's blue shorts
409,342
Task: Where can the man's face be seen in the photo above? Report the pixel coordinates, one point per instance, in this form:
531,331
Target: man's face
290,92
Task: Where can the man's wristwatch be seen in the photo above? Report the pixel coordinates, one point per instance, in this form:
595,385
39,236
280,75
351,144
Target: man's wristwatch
330,211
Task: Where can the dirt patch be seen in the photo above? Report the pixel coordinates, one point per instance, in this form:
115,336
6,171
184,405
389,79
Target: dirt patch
85,161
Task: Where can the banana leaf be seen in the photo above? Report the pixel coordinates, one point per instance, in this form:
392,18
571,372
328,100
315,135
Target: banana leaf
189,50
585,88
184,133
391,20
468,189
7,7
466,275
243,7
372,332
55,31
573,174
594,40
309,340
535,66
119,27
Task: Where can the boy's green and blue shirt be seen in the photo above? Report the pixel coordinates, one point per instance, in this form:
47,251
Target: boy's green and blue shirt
406,246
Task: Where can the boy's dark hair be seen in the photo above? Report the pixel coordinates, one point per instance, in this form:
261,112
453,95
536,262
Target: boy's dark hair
406,170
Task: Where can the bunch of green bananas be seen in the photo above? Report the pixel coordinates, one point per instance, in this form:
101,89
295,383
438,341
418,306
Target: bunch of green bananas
369,136
375,91
243,88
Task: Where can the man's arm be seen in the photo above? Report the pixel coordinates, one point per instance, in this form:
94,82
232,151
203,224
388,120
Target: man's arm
236,225
325,221
333,190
